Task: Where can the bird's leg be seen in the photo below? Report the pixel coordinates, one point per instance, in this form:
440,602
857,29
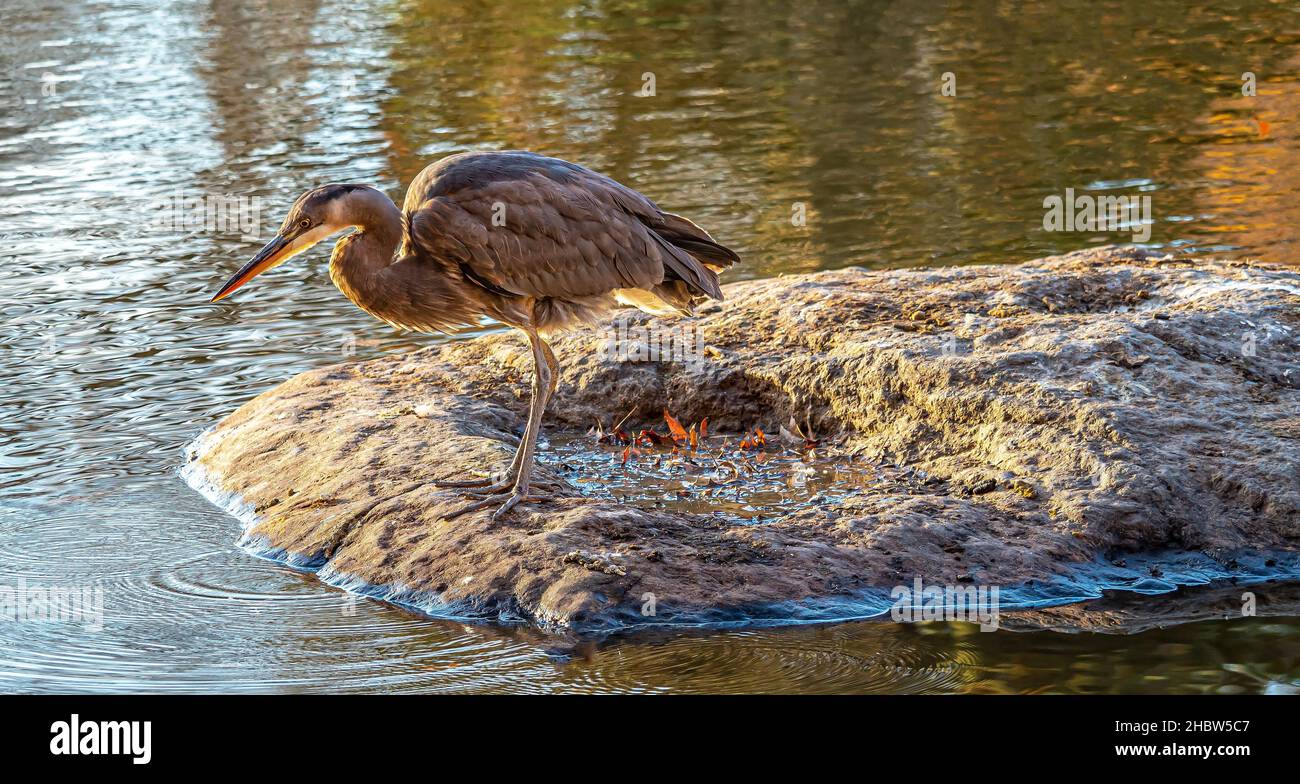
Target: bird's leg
554,365
483,487
491,484
523,466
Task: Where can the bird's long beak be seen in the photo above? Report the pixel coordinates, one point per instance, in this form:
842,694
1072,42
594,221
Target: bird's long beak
274,252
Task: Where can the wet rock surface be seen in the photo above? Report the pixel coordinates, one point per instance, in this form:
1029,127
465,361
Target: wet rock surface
1066,413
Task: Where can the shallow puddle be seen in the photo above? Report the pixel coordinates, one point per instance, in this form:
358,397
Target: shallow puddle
746,485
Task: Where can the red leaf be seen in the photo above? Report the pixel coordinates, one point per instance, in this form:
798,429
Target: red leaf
652,438
674,427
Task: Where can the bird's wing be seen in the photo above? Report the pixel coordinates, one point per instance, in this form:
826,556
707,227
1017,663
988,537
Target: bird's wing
529,225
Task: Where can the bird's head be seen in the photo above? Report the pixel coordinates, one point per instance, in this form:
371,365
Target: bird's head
315,215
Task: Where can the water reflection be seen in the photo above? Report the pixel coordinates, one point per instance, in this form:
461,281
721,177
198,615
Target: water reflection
834,106
758,112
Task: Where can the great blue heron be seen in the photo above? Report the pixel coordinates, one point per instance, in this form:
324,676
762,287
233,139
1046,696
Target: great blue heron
534,242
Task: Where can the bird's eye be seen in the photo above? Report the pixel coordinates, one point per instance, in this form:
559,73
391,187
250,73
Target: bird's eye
304,223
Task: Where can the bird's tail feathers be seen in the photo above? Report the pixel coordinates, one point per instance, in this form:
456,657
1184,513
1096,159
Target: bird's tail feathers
683,233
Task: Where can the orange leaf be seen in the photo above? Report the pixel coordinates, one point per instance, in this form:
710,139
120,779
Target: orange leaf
695,440
704,428
674,427
626,452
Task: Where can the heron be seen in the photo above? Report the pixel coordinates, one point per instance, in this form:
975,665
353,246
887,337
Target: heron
533,242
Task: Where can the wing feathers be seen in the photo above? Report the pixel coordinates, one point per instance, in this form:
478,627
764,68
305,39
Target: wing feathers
541,227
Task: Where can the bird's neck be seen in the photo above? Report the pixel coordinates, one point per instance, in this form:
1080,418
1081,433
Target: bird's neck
359,259
400,291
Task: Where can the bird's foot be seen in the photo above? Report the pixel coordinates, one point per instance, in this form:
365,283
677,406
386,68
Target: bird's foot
490,485
501,487
507,500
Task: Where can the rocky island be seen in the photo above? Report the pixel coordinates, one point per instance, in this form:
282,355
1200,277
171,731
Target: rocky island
1108,419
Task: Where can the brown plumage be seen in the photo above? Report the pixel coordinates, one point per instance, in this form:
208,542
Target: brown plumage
538,243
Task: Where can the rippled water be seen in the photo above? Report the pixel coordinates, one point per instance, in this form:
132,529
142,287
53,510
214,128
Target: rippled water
114,360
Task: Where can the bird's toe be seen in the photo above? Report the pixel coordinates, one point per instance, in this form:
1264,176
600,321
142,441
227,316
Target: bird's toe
506,501
509,504
491,491
483,482
499,489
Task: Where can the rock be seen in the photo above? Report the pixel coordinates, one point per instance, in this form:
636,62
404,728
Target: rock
594,562
979,486
1024,487
1140,405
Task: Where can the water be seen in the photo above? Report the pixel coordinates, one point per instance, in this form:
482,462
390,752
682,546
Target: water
114,360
